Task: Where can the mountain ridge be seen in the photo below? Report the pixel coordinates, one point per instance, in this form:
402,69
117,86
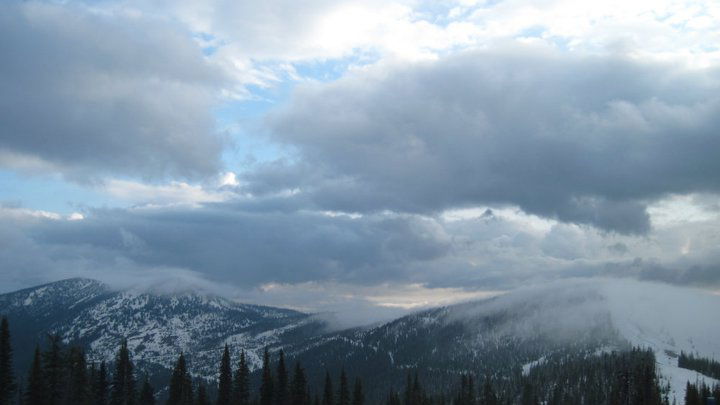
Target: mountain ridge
505,335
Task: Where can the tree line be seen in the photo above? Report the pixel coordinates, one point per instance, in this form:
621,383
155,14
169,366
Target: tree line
615,378
61,375
699,393
709,367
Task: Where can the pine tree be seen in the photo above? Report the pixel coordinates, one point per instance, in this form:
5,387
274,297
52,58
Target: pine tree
202,397
78,392
7,379
266,386
393,398
147,393
488,394
328,391
281,394
471,398
225,381
241,385
344,390
100,386
299,394
358,396
180,390
692,396
36,390
122,389
407,397
528,396
54,371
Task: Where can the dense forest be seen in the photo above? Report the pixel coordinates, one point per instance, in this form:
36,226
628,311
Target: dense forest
709,367
61,375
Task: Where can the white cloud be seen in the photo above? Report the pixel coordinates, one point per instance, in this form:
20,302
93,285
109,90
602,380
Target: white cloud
175,192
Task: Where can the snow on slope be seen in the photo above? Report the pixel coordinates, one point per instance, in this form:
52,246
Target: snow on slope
667,319
157,325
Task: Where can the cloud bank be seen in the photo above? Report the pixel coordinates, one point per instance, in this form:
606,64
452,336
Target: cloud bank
587,140
89,95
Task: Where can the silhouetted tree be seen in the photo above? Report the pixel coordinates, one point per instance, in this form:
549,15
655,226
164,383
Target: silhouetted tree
180,389
358,395
202,397
282,393
147,393
241,385
53,371
343,397
225,381
488,394
122,388
7,378
328,391
100,386
267,388
298,394
78,389
36,390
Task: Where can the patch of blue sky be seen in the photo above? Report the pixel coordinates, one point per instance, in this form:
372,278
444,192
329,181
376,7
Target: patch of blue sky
536,31
243,121
49,193
209,43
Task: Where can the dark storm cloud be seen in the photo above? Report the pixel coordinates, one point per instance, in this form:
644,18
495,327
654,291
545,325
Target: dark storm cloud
589,140
89,94
248,248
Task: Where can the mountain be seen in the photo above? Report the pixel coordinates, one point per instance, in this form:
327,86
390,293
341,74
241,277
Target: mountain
504,337
158,326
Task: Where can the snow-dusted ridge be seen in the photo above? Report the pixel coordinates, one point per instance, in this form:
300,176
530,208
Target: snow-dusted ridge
515,331
158,324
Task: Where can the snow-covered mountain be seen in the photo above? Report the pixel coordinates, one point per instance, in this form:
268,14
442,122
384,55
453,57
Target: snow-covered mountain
509,334
158,326
503,336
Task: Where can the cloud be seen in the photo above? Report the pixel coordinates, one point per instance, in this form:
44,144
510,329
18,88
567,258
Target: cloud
224,243
88,95
247,248
587,140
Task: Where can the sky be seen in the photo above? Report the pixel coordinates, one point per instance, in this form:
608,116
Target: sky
361,156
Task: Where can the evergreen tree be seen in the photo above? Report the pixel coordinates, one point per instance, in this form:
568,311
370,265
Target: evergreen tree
472,399
36,390
202,397
528,396
408,398
414,393
393,398
328,391
343,390
54,371
100,386
241,385
122,389
7,378
488,394
180,389
692,396
358,396
282,393
299,394
225,381
147,393
266,385
78,392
